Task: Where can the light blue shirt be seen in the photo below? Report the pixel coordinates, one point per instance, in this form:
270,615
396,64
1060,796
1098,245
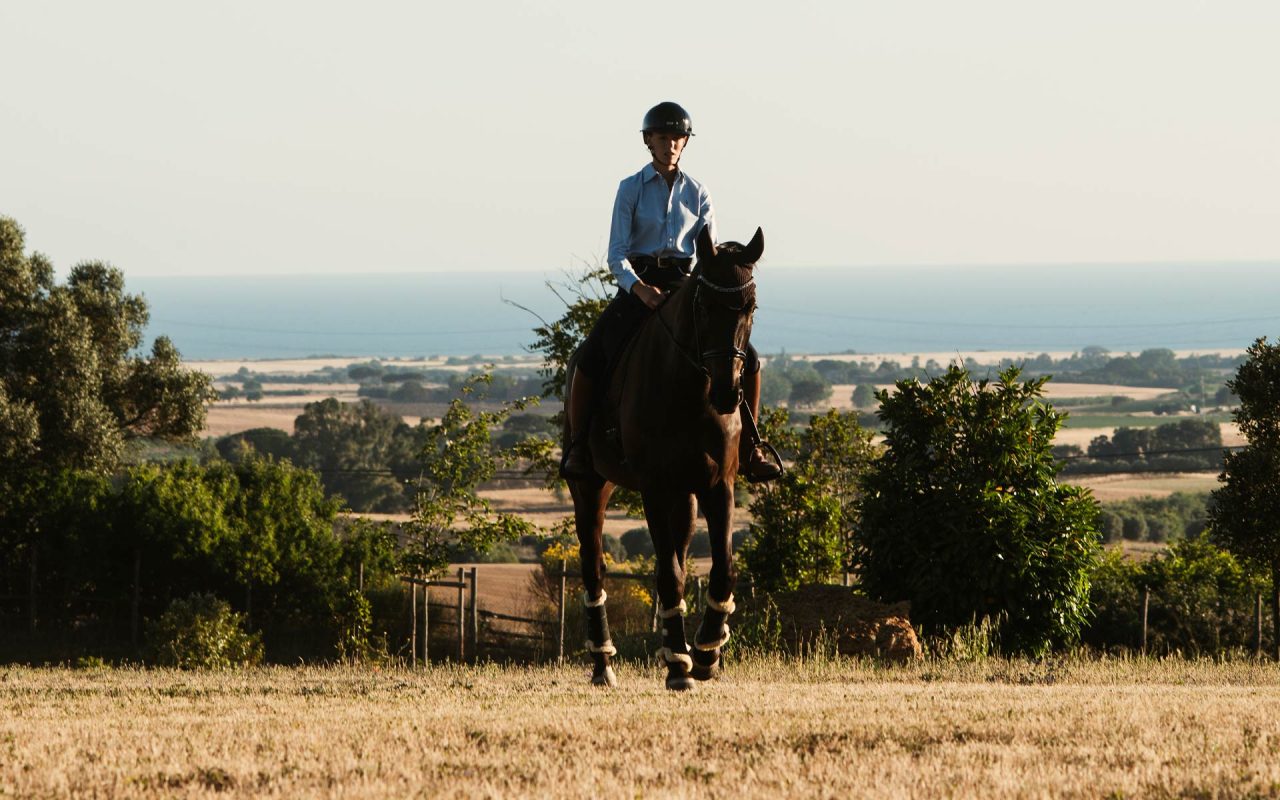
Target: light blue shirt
651,220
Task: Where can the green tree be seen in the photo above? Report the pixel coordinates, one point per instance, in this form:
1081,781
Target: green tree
801,530
963,515
457,458
864,396
361,450
1245,514
75,391
809,392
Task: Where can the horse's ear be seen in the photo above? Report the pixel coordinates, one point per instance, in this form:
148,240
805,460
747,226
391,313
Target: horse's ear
706,247
755,248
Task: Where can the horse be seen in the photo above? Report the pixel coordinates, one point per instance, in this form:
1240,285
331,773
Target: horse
669,427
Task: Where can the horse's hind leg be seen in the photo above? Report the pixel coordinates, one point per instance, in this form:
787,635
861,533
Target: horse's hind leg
589,501
713,633
670,519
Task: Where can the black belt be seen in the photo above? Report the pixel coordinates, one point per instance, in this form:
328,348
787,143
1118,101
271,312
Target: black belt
661,262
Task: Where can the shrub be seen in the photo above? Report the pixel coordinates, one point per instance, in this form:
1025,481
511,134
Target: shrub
202,632
964,517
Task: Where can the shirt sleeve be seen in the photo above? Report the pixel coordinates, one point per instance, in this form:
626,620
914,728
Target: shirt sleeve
624,207
708,215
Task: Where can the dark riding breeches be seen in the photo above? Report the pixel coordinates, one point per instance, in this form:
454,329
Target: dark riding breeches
621,319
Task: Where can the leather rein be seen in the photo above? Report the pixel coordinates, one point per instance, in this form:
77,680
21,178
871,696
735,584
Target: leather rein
707,355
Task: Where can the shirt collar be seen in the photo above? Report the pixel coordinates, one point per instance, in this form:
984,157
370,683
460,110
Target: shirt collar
650,172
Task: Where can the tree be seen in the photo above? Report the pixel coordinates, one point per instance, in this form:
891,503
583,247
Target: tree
964,517
802,525
357,448
1245,516
456,458
864,396
809,392
75,391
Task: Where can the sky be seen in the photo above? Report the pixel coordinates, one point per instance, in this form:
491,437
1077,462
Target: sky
297,138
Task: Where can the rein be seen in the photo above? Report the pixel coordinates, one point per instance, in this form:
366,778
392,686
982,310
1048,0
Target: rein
733,352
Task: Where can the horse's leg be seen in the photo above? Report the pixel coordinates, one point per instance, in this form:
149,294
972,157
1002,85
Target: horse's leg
670,517
713,633
590,497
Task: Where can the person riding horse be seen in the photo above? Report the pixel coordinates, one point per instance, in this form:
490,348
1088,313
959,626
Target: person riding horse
657,217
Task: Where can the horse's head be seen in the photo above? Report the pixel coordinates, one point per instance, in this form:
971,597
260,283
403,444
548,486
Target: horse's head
725,299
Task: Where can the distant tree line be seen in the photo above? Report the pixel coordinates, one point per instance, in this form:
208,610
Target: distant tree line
1186,445
363,452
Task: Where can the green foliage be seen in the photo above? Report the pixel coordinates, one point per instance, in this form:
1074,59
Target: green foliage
1246,512
456,458
73,387
1188,444
362,451
202,632
1202,600
963,515
802,523
864,396
1157,519
585,297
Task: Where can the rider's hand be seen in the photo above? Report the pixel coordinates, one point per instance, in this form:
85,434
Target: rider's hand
649,295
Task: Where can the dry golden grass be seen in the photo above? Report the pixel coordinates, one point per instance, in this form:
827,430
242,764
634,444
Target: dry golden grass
769,729
1126,486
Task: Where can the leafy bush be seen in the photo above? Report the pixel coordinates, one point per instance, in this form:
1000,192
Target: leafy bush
964,517
202,632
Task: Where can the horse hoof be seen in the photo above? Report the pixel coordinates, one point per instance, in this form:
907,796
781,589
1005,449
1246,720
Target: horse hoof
679,683
705,672
605,679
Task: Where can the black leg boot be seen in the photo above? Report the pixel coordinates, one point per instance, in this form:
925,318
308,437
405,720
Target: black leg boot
599,644
675,651
712,635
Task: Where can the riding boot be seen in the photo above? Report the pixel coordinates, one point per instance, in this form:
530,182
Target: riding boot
753,463
576,462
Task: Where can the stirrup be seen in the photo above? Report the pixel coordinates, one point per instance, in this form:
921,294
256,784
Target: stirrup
769,449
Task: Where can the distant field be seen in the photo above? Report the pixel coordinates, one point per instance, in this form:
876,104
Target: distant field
1149,484
990,729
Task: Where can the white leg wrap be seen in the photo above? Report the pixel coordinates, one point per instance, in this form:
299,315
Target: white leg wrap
724,639
670,657
678,611
727,607
589,603
607,648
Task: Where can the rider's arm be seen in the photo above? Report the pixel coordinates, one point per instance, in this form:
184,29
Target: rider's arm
624,207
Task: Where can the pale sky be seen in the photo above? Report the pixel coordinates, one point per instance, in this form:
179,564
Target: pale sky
176,138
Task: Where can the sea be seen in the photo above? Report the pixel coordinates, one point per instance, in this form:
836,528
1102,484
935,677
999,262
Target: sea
802,310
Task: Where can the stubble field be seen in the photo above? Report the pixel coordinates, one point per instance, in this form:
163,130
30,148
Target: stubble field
768,729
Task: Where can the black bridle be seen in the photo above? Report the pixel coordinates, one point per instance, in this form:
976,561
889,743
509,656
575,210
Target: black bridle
708,355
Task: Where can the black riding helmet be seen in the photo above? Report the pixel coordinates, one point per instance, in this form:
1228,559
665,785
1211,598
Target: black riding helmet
669,117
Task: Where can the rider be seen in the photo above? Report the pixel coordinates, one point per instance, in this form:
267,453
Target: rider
657,217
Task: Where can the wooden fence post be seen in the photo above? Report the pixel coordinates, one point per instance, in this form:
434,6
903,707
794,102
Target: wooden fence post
564,566
135,615
426,621
475,618
1257,621
1146,605
413,624
462,615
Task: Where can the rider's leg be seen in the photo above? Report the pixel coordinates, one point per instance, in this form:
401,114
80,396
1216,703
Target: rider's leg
577,457
753,463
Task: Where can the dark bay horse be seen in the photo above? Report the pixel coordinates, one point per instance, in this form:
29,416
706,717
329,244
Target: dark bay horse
669,428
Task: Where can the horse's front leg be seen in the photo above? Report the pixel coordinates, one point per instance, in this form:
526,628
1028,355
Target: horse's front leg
670,516
713,633
590,498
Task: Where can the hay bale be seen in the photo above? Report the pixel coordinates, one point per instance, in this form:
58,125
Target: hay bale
860,627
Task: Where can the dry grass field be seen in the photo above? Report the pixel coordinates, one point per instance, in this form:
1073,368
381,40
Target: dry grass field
768,729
